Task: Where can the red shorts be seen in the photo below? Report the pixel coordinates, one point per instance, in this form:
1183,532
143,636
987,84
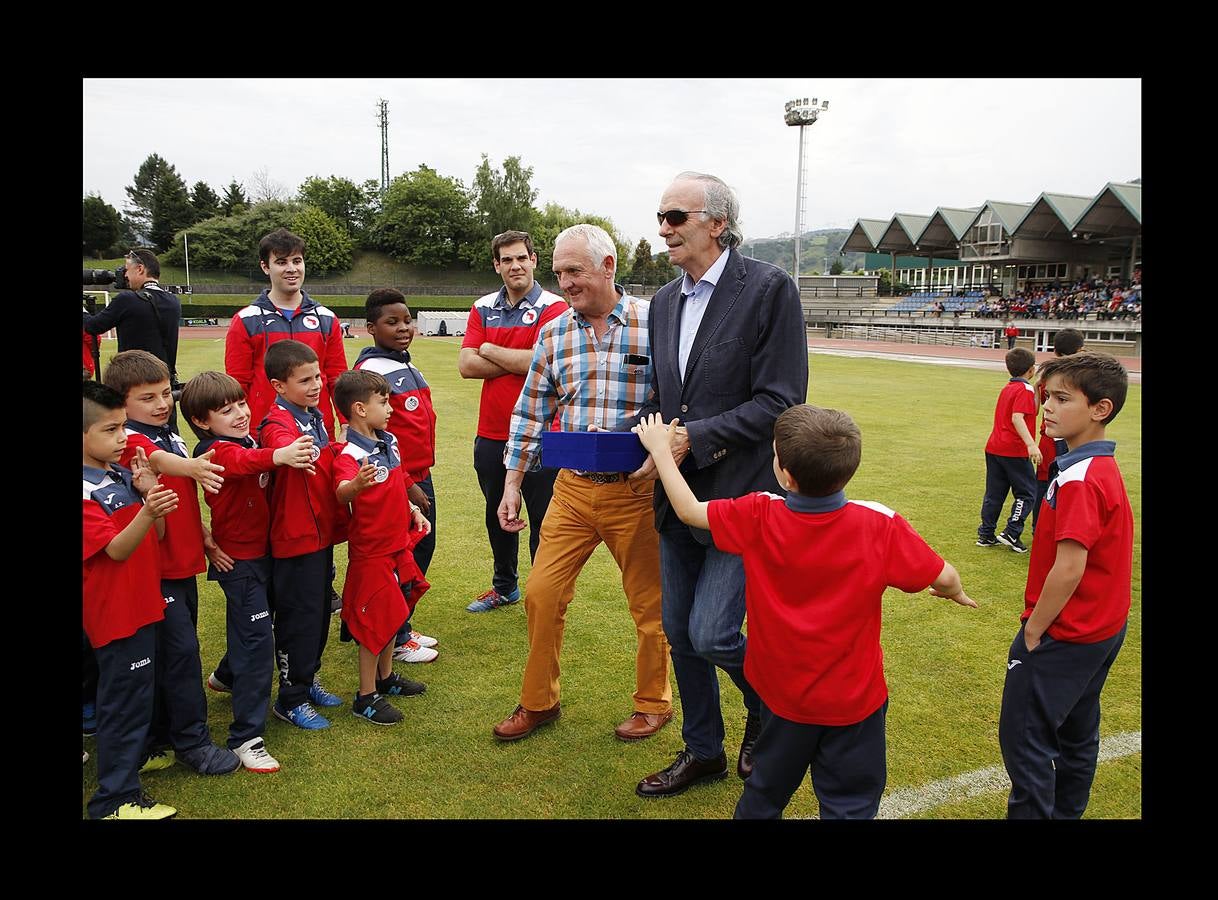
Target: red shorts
379,595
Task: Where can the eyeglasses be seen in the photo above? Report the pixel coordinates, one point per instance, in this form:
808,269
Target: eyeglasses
676,217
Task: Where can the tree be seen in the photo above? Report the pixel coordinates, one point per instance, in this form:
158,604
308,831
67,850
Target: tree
641,271
837,268
230,243
425,219
234,199
204,200
159,203
327,244
347,203
503,202
101,226
264,188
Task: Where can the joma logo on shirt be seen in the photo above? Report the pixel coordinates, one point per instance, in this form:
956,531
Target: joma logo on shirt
262,615
143,662
109,498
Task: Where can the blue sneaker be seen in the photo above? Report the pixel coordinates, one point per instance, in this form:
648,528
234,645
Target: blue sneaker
88,717
322,697
493,599
303,716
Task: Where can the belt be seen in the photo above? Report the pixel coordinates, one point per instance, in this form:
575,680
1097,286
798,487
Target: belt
600,477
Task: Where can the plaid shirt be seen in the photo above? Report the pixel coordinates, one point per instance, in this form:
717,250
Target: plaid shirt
587,382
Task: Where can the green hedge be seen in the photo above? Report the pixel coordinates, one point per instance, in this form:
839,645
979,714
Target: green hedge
226,306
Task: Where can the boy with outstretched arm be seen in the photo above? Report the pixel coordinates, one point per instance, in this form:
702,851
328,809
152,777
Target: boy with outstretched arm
1076,604
179,722
413,423
121,602
814,652
304,526
383,582
215,406
1011,455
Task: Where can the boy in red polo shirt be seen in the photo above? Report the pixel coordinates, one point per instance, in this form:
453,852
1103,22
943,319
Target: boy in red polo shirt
304,528
814,653
1011,455
179,722
214,405
1077,600
121,602
383,582
413,423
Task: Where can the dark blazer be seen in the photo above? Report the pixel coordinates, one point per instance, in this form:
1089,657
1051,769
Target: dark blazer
749,362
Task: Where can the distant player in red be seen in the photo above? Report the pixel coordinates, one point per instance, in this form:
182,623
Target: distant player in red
1076,605
283,312
305,524
1066,342
121,602
179,723
500,336
1011,456
814,652
214,405
413,423
383,582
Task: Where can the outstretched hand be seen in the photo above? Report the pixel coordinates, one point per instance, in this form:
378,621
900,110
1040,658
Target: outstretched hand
655,436
960,597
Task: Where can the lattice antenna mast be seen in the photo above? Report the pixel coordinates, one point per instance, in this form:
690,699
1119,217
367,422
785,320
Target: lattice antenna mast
383,119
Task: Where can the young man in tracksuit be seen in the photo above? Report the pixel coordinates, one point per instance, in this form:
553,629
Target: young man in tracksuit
283,312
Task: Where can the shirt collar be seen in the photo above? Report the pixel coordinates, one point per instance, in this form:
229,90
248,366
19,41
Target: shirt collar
829,503
1020,380
310,416
116,474
402,356
711,276
621,311
501,301
371,445
1085,451
155,433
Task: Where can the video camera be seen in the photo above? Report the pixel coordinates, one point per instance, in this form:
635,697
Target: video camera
104,276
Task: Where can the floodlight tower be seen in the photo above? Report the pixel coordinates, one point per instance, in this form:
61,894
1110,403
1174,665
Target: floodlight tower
801,113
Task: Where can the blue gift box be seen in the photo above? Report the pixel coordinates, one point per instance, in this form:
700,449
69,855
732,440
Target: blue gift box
592,451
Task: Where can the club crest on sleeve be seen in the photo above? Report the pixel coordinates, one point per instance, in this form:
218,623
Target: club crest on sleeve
382,475
264,479
412,403
529,317
310,321
315,454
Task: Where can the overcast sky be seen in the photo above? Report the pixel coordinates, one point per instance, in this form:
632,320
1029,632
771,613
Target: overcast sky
610,147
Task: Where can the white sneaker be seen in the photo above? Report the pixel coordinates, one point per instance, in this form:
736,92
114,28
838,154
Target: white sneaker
411,652
423,640
254,757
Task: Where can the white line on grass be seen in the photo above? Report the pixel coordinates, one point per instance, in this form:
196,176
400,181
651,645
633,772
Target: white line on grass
909,801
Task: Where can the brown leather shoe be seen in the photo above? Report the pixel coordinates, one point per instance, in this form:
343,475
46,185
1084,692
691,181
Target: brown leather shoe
524,722
642,725
752,728
684,773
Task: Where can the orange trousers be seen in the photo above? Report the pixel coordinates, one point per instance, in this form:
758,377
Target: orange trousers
581,515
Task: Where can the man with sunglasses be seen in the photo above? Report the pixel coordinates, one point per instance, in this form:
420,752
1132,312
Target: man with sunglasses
730,354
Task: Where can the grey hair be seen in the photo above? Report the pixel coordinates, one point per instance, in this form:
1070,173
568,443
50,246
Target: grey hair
720,203
599,243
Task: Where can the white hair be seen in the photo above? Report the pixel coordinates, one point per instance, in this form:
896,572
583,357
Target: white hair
599,243
721,203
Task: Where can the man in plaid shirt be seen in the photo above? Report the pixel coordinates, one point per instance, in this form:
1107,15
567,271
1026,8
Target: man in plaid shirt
592,367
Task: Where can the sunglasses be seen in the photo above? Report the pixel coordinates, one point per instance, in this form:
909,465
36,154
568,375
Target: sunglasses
676,217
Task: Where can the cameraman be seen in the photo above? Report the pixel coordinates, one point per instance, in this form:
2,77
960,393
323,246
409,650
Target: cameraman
145,315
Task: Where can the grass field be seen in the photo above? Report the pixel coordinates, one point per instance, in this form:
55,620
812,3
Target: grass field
923,429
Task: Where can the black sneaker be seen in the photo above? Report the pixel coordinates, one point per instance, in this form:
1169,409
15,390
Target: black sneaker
990,541
376,709
1013,542
397,686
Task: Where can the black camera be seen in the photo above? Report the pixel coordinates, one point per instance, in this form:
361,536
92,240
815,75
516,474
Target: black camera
103,276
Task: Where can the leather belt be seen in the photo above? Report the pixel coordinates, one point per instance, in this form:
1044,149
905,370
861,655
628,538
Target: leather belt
600,477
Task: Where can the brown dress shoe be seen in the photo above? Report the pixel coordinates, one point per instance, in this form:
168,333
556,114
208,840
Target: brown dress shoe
685,772
752,728
524,722
642,725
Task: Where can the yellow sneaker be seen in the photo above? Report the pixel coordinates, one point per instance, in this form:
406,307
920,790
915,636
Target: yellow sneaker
142,807
157,760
